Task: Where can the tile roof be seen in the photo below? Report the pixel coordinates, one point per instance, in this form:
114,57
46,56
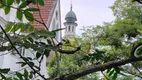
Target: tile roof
45,13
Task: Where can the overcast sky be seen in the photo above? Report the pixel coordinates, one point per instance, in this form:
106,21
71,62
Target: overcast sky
88,12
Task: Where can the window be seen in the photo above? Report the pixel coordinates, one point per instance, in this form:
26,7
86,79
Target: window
57,33
56,15
53,25
66,29
69,28
72,29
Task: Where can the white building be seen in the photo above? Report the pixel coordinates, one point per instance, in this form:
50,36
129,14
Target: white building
50,13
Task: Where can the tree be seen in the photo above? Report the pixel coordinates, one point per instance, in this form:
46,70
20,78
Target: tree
108,49
116,39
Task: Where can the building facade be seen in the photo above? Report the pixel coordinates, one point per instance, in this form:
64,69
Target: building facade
50,13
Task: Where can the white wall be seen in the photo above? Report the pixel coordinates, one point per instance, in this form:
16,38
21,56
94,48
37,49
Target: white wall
56,20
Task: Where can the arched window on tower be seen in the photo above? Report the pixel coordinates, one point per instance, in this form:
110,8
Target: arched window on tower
72,29
69,29
66,29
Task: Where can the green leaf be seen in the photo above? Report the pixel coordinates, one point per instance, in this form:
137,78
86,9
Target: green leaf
30,39
9,78
117,69
10,2
58,30
32,9
23,28
5,71
31,28
29,16
22,63
19,15
114,76
19,75
3,77
31,75
139,41
17,1
41,2
111,72
37,67
4,2
108,70
45,33
46,53
34,1
49,41
8,28
6,10
29,58
26,73
16,79
38,55
31,63
15,28
23,5
1,6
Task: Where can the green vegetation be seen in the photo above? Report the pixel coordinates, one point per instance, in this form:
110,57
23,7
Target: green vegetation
103,52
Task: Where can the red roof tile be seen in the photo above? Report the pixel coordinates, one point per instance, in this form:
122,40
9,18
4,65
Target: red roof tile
45,11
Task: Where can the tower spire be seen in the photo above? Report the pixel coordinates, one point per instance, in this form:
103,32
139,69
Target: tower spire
71,5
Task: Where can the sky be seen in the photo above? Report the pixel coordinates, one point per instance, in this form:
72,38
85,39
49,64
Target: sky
88,12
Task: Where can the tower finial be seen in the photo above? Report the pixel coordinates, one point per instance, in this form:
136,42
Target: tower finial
71,5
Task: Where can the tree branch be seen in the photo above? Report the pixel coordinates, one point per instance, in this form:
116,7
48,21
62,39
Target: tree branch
139,1
100,67
21,55
132,73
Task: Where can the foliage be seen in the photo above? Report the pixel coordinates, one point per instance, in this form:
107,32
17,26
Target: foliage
14,36
100,45
109,42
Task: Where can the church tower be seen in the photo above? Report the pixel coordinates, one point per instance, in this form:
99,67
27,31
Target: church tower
70,24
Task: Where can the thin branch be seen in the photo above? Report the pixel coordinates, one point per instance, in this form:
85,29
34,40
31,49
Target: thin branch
17,71
21,55
3,54
100,67
139,1
137,69
132,73
124,74
41,17
39,61
105,75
